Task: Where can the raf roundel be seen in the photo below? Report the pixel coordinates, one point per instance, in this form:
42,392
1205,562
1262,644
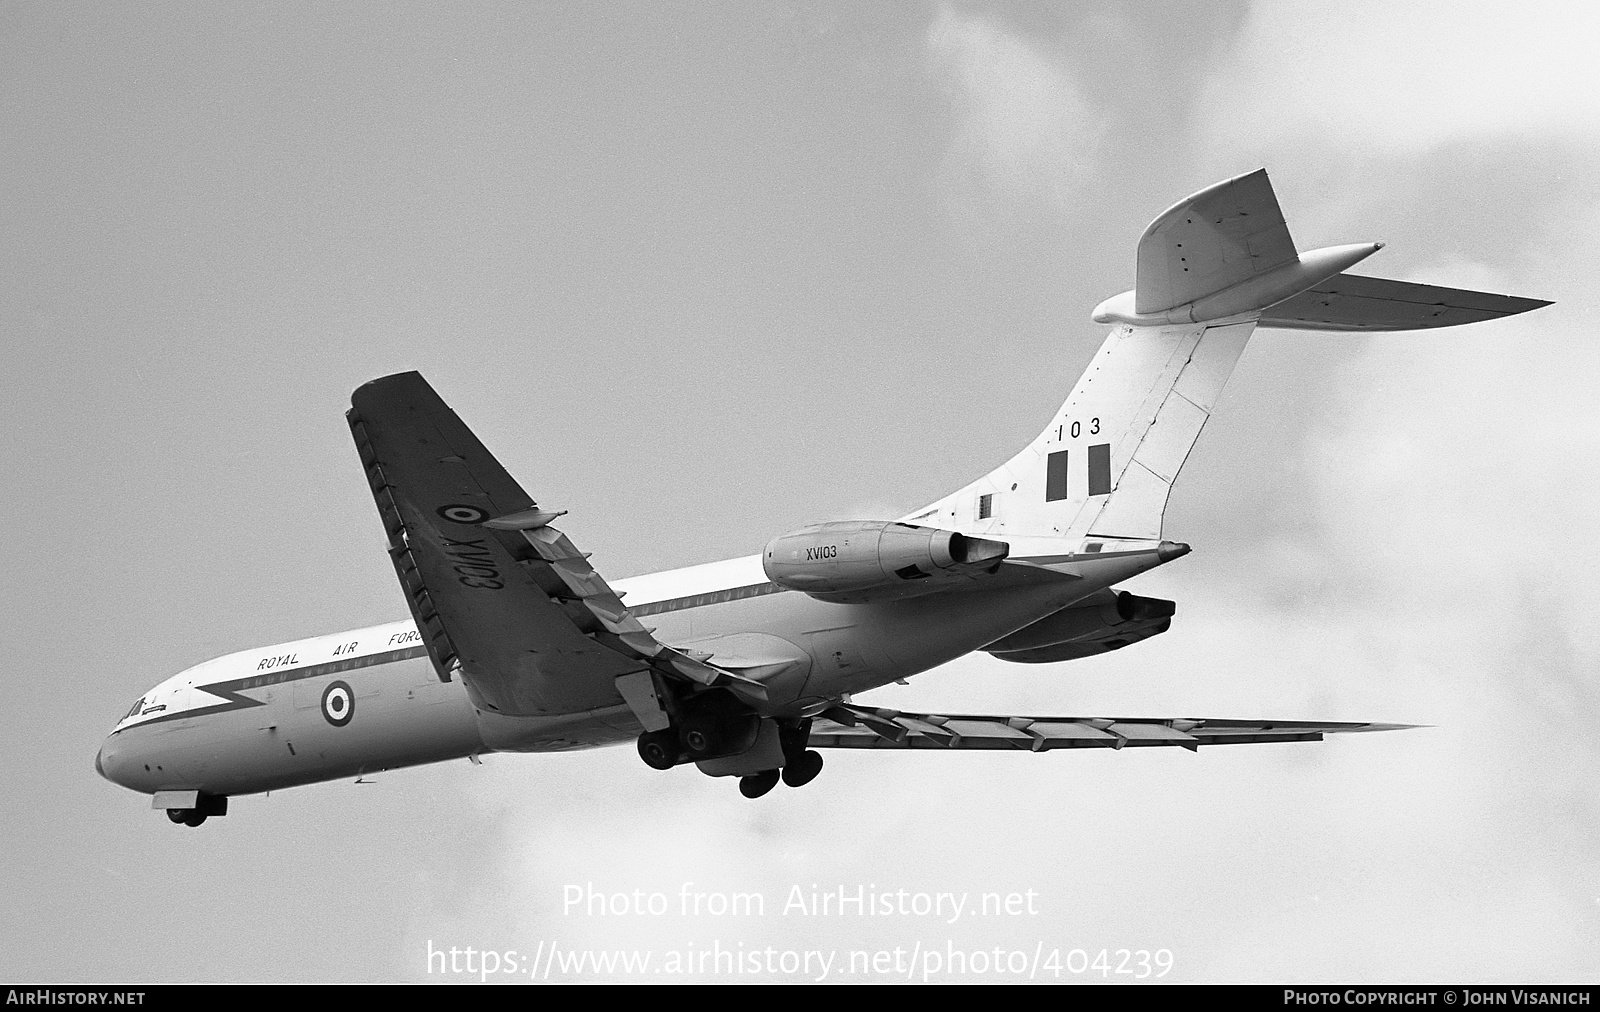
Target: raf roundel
460,514
338,703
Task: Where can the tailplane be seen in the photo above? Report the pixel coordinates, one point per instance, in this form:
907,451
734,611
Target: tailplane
1210,269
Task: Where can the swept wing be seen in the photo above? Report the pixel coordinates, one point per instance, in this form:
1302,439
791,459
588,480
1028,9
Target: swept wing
855,726
495,590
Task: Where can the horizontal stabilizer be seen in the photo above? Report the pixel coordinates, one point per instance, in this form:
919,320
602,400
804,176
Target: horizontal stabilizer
855,726
1353,302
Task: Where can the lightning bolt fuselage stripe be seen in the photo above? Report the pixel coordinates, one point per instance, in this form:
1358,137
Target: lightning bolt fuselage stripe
230,690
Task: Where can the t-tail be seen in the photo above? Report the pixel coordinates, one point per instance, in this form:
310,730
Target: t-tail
1210,269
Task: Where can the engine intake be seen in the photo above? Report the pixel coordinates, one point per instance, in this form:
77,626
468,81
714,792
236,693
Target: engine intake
857,560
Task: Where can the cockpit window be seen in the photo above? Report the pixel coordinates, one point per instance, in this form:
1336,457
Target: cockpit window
134,712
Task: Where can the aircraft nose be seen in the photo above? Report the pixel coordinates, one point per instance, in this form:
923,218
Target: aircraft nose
107,764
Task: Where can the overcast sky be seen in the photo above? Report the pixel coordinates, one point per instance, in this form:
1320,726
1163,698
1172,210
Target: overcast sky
705,274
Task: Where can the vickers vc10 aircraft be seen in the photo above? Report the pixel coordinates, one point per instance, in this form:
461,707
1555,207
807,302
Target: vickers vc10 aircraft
746,667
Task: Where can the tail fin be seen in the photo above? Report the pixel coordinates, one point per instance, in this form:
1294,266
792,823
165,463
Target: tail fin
1104,467
1209,269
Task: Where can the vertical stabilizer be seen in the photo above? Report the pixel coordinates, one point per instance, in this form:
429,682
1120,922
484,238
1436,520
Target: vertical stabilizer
1099,476
1102,471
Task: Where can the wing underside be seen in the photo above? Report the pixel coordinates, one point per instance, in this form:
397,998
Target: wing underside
856,726
493,587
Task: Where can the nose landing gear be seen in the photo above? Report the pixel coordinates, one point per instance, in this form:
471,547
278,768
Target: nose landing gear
186,808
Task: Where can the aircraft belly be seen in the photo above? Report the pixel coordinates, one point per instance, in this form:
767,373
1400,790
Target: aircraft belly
558,733
968,621
845,656
854,647
903,638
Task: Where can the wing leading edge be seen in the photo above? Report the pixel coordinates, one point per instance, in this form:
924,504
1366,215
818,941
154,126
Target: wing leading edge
855,726
494,589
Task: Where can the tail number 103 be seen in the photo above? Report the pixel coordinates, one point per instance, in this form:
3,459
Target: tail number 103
1076,429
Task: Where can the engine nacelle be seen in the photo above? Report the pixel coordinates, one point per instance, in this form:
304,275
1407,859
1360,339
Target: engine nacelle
1086,630
859,560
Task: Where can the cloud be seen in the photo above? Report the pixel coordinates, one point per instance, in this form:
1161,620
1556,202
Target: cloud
1439,576
1024,133
1404,77
1436,573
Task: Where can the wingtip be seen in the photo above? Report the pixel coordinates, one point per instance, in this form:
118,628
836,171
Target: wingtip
407,375
410,379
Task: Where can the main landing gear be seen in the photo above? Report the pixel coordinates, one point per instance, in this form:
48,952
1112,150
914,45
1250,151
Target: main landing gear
660,750
709,725
757,784
800,764
715,725
796,774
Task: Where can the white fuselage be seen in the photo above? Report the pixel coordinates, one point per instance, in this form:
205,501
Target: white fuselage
548,655
369,699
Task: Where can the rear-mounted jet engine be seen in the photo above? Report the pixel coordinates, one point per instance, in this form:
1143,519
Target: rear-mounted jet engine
868,560
1105,622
